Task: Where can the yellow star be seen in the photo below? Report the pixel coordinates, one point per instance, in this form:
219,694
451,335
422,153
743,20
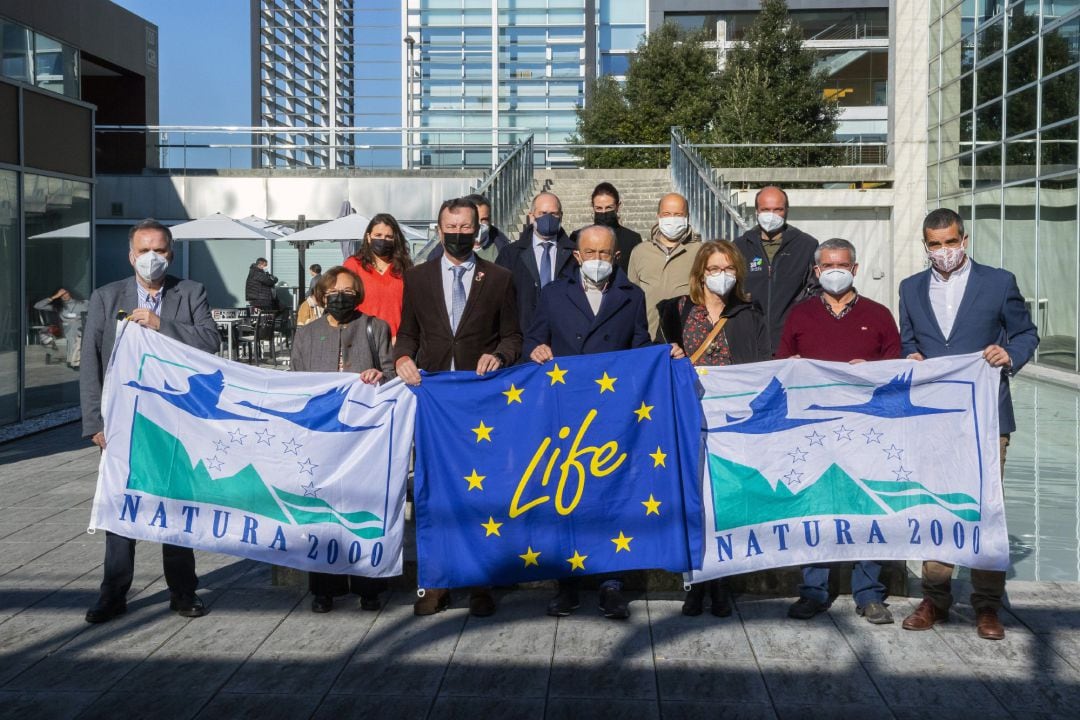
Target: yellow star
577,562
606,383
652,505
658,457
622,542
475,480
530,557
556,375
643,412
483,432
513,395
491,526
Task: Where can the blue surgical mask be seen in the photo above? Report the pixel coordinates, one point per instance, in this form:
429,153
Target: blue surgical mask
548,225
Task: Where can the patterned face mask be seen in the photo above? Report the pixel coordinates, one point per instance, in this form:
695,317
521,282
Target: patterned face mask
947,259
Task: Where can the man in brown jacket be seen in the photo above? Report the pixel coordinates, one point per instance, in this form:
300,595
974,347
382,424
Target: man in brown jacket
661,264
459,313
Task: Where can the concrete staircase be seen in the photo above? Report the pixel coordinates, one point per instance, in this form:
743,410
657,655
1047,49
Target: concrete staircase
639,190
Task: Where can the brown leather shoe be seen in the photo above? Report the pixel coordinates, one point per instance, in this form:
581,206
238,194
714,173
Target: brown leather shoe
434,601
925,617
988,625
481,603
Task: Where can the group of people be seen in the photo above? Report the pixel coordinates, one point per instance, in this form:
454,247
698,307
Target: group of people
481,302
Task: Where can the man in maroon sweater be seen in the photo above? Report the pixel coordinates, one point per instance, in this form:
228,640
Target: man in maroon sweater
841,326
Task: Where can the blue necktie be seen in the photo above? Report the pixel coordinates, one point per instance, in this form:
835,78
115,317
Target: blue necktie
457,302
545,264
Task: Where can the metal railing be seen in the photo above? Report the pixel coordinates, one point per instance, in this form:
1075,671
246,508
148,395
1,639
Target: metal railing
509,183
715,211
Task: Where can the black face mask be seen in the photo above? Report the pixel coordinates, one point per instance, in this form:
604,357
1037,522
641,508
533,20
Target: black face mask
382,247
610,218
341,306
458,245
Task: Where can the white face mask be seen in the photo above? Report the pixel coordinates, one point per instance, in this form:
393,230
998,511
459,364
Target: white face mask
596,270
836,281
673,227
947,259
721,283
151,266
770,222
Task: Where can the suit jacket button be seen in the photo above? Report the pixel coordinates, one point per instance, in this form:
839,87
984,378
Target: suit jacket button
607,337
578,337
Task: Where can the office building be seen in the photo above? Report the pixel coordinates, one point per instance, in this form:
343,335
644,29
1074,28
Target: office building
61,66
1003,134
478,68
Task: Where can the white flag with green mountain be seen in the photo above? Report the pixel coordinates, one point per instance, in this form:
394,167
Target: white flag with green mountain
305,470
812,462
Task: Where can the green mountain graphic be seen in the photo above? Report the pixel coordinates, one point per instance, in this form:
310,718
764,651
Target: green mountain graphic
742,496
161,465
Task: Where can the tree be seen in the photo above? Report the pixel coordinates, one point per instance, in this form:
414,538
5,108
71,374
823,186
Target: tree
670,81
770,92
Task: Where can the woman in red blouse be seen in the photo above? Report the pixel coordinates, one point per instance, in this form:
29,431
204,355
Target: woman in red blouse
716,324
381,263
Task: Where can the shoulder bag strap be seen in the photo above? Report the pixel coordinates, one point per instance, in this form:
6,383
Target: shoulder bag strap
708,340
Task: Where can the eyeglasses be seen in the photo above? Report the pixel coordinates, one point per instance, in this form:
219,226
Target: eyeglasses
713,270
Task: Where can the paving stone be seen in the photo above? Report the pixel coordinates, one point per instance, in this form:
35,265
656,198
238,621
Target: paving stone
572,709
519,628
951,687
823,711
891,643
376,707
290,673
676,636
163,706
608,677
398,631
55,706
716,711
466,708
1026,688
792,682
230,706
714,678
70,671
178,673
586,634
338,631
496,676
389,674
773,635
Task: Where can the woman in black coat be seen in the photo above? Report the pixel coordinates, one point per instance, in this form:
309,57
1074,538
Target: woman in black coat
716,324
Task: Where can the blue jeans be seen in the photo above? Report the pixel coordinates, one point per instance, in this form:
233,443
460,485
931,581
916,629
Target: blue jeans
865,587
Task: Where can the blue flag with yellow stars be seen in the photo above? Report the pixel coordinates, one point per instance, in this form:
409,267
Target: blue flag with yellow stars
583,465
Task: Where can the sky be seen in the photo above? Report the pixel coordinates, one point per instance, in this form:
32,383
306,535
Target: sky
204,59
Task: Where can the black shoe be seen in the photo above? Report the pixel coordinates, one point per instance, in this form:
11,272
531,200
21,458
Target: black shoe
371,604
695,600
104,611
721,598
612,604
806,608
189,607
564,603
322,604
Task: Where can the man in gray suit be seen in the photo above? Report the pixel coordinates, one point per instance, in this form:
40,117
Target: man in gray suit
175,308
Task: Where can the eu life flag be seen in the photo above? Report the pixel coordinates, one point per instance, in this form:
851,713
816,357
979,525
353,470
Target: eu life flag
582,465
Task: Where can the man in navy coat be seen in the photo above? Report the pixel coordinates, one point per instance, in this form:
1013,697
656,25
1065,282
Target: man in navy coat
593,309
956,307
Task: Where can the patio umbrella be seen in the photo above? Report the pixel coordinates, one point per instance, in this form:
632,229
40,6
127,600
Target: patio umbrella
219,227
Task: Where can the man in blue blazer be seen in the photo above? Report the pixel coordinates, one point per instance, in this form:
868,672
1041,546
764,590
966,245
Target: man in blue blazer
956,307
593,309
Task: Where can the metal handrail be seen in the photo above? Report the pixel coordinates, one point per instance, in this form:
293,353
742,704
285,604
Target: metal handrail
715,211
508,184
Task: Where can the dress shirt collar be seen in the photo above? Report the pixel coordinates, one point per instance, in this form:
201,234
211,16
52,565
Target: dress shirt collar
957,274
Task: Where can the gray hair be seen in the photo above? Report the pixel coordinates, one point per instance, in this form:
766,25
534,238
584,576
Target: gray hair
835,244
610,233
150,224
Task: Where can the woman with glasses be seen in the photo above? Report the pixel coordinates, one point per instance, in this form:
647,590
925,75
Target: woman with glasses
716,324
380,263
343,340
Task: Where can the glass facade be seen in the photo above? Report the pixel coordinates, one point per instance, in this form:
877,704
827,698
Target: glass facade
510,64
1003,136
37,59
